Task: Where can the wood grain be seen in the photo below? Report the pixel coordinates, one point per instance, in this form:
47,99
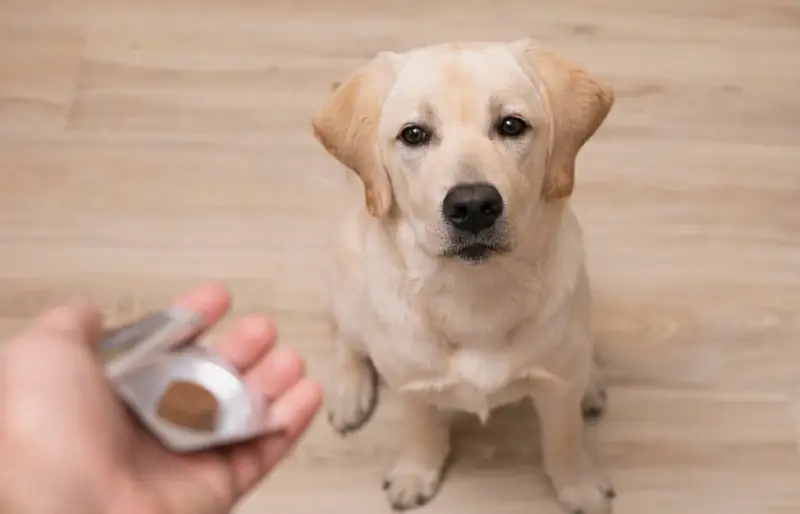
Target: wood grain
146,146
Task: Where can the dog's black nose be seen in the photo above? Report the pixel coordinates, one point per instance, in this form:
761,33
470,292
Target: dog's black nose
472,207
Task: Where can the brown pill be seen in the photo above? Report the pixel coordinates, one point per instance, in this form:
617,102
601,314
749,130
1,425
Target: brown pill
189,405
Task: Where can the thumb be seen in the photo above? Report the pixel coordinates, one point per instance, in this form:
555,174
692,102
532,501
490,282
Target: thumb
79,322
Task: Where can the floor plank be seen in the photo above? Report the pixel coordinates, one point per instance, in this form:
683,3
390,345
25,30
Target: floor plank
38,77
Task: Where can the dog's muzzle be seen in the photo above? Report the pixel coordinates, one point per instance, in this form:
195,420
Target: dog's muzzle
473,213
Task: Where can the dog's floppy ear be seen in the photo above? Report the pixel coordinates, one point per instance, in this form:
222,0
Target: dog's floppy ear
578,103
347,126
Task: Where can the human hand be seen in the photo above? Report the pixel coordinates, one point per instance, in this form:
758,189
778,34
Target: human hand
68,445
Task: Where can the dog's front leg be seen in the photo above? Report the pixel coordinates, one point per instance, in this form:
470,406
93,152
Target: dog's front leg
353,390
580,486
595,397
415,478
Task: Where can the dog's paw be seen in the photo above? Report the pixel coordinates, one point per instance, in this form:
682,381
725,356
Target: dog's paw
409,485
352,398
590,494
594,402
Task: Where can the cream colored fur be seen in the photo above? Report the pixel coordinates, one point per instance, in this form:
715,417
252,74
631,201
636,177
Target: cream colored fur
443,333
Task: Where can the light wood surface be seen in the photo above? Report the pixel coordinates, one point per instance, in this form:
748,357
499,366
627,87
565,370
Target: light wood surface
146,146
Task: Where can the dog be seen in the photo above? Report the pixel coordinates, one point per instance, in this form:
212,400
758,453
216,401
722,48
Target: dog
458,275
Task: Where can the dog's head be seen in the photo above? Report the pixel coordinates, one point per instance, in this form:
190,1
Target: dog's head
462,142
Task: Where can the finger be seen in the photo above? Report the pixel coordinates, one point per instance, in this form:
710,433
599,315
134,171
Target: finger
247,342
296,409
273,376
209,301
79,321
278,372
190,313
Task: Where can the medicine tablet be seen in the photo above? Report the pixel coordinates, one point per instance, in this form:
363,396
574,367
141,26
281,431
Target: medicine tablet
189,405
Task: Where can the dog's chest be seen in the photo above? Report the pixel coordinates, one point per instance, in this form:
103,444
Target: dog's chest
471,381
457,348
475,378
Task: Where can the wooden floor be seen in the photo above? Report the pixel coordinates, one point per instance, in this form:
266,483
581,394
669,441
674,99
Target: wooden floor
146,145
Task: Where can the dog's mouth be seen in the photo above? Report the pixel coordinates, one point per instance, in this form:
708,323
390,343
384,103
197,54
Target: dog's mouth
475,252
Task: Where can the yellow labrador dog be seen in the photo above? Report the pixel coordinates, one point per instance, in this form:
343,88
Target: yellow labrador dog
458,276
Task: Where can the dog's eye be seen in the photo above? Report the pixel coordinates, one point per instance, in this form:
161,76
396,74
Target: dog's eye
414,135
512,126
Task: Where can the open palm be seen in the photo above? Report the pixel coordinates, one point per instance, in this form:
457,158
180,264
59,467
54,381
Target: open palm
67,445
